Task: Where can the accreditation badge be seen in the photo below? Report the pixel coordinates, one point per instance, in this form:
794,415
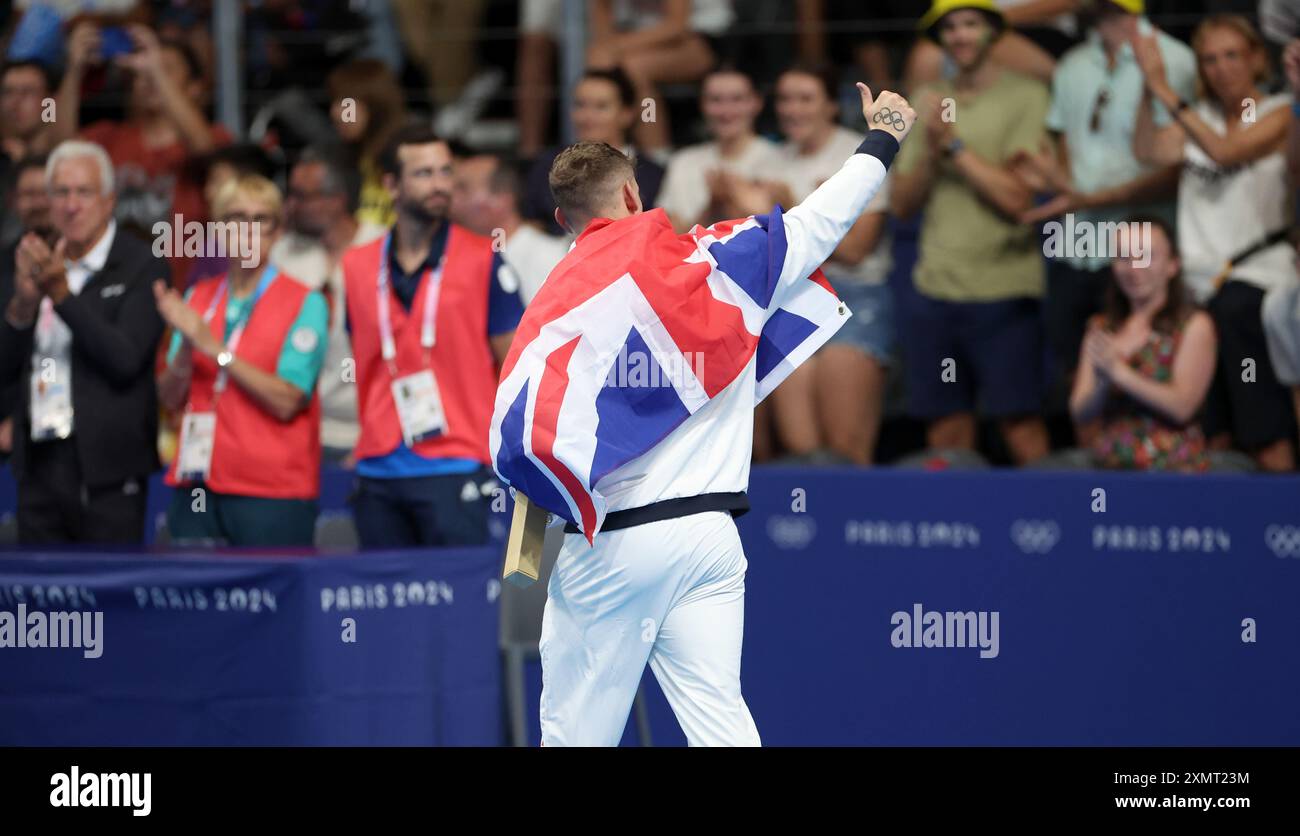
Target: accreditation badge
198,434
419,407
51,404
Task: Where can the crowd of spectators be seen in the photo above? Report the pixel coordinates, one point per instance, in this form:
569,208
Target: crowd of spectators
1083,257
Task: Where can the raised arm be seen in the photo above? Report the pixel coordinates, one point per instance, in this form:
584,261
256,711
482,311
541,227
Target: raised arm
815,228
83,48
183,112
1232,148
1154,145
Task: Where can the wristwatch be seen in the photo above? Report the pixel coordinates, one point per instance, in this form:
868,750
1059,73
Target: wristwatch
954,145
224,358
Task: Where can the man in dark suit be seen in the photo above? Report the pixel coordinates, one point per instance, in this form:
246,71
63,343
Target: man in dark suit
30,205
79,334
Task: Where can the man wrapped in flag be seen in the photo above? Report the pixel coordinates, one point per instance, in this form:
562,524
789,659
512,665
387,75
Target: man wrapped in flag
626,408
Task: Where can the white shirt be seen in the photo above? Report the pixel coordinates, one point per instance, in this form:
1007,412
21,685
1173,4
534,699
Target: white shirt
53,339
685,192
1222,211
804,172
533,255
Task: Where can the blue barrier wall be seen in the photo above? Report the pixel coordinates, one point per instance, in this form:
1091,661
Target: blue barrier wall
1122,627
242,650
1170,617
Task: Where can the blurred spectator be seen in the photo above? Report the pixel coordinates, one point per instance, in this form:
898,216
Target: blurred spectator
657,42
1095,95
288,42
1234,214
24,87
247,467
540,29
1281,315
1148,360
220,167
1039,31
189,21
367,108
80,334
486,202
441,38
427,346
153,150
697,185
29,205
324,192
833,401
974,332
604,108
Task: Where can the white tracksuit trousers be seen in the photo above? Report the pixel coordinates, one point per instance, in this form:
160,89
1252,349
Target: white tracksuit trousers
670,592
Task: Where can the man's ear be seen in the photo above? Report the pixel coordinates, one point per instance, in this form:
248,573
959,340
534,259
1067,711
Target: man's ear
632,196
561,220
390,185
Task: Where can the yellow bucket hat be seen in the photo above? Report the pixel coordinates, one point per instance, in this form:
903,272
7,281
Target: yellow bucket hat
1133,7
943,7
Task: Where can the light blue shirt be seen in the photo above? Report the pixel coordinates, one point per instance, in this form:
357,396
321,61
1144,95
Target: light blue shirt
1103,158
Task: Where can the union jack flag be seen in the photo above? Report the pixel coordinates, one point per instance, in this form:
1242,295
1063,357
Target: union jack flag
696,308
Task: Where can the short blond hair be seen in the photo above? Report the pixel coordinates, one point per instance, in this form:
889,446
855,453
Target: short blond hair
254,186
584,177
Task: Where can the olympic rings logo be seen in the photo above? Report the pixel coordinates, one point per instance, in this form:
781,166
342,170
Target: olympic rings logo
1035,536
1283,540
791,532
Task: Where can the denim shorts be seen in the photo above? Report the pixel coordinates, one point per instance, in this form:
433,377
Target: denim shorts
871,327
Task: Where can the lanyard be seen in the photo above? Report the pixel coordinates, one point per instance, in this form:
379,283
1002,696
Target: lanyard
427,327
268,275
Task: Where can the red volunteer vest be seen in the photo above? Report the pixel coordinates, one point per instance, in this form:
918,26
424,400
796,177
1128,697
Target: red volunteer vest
461,358
254,453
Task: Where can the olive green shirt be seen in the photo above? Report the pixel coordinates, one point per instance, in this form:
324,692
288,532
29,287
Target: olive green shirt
968,251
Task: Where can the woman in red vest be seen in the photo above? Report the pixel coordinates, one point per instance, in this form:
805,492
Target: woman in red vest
244,359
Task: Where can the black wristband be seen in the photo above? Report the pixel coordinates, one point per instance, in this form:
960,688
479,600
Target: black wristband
880,144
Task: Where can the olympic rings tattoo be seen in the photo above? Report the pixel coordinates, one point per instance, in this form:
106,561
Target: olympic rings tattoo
894,118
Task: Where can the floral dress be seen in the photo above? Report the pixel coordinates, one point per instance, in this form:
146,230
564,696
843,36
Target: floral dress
1136,437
